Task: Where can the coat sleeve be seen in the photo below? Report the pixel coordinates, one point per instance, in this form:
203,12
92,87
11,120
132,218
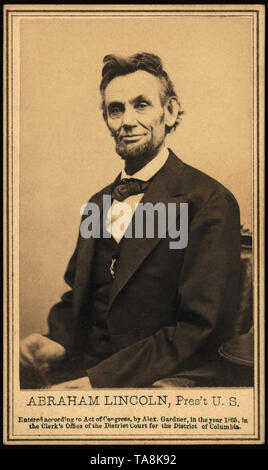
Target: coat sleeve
61,318
62,323
208,290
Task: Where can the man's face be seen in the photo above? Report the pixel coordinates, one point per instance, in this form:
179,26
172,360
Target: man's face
135,115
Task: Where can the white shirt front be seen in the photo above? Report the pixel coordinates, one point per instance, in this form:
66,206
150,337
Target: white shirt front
120,214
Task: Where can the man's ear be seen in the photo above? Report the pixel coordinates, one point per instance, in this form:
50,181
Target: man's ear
171,107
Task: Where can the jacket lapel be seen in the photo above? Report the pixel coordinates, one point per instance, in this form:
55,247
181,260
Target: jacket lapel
166,187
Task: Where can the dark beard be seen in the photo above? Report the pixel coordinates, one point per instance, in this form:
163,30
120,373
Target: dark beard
137,158
137,152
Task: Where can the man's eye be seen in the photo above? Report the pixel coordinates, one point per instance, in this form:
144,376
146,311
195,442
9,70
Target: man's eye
141,105
115,111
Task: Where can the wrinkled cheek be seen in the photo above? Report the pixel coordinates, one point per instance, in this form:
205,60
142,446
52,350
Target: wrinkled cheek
145,125
155,126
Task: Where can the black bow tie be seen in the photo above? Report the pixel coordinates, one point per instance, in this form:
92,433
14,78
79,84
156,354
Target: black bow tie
129,187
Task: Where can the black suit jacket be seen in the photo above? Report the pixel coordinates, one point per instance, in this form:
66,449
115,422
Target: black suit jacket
169,309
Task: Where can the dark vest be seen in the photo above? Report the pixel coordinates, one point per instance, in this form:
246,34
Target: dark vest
103,270
106,250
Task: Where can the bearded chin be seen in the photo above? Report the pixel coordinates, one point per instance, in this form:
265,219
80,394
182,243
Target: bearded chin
138,151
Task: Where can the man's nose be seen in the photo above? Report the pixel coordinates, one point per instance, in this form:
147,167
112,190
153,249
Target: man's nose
129,118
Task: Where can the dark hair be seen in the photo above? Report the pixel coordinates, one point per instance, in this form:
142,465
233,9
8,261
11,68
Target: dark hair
114,66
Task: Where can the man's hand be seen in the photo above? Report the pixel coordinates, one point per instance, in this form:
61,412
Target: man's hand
39,352
78,384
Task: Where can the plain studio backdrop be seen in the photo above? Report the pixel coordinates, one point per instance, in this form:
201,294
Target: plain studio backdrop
66,151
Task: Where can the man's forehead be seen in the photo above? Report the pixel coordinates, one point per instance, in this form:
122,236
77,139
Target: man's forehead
127,87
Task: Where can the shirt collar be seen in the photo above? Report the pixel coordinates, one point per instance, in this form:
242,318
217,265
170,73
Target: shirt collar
149,170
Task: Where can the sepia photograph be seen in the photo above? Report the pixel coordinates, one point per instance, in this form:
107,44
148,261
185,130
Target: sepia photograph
134,224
